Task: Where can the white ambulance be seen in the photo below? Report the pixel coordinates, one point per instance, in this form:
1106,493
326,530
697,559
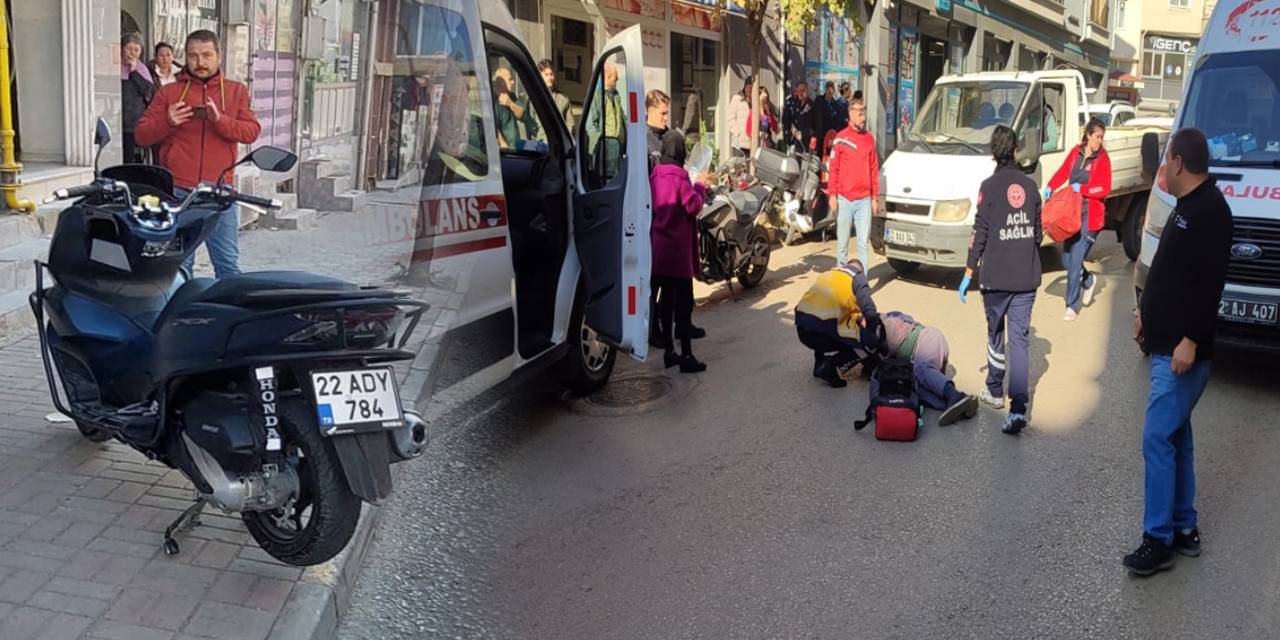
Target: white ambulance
543,232
1233,95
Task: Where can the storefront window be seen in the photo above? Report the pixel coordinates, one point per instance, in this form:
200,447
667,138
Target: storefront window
330,89
174,19
695,64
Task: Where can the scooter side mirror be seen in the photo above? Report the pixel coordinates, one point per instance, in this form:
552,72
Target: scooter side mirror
271,159
101,133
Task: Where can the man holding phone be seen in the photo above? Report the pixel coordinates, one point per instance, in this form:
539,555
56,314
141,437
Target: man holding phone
199,121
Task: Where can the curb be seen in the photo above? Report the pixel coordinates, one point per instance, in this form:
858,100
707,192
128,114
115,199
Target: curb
323,594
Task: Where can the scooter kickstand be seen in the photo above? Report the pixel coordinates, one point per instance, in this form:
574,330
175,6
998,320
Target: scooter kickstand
185,522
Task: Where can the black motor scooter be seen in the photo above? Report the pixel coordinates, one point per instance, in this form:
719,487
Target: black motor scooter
732,242
269,391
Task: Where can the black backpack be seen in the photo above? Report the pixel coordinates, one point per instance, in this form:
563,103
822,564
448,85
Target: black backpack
894,403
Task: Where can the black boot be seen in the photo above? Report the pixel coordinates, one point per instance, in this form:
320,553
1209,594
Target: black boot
670,359
829,372
690,364
1152,557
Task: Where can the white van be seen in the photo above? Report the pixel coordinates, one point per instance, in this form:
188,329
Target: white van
1233,95
543,231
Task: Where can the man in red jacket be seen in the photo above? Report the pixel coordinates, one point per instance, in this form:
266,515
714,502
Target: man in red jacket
198,122
853,182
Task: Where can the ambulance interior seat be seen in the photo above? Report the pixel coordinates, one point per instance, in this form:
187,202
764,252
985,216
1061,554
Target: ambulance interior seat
537,208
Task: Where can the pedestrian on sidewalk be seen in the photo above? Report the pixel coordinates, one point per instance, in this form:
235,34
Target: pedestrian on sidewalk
1088,169
198,123
563,105
1176,326
163,68
853,183
765,128
136,90
1006,245
657,109
739,117
800,119
676,204
837,319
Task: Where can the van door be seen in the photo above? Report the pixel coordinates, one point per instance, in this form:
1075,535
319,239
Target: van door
443,115
611,208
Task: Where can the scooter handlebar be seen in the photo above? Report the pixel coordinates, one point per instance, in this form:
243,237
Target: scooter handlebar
75,192
266,203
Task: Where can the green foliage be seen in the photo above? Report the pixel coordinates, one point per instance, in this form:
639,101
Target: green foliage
799,16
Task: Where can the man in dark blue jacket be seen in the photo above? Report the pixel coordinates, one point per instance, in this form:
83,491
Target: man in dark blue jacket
1006,244
1176,325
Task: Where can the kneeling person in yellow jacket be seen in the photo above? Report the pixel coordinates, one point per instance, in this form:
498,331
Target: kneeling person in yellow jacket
837,319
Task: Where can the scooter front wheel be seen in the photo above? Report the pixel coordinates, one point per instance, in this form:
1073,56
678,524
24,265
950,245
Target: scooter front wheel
758,264
323,516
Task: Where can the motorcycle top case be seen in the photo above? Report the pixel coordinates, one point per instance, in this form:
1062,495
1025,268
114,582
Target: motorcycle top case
776,168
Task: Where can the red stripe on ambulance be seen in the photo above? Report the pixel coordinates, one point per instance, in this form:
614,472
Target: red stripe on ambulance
635,107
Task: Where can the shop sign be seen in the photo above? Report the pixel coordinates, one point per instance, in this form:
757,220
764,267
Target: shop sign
731,7
1172,45
944,8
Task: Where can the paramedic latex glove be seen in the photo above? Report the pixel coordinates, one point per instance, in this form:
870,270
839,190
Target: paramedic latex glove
1045,193
964,288
1075,186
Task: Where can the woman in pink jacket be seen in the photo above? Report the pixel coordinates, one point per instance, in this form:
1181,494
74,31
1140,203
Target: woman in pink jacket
674,238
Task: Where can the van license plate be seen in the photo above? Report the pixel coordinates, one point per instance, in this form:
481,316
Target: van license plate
900,238
356,400
1247,311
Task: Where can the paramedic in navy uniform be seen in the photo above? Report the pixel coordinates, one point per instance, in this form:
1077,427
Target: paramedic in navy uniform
1006,244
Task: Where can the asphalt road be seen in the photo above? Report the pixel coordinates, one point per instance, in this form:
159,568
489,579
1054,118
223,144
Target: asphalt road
744,505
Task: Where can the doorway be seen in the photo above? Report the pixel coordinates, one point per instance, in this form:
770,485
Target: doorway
933,64
573,50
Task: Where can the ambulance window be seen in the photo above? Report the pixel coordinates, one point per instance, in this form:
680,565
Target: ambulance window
605,117
435,99
1235,100
514,116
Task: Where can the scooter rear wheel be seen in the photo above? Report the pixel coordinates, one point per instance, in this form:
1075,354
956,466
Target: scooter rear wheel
324,515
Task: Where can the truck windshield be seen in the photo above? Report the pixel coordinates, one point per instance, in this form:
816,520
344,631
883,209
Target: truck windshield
958,117
1235,99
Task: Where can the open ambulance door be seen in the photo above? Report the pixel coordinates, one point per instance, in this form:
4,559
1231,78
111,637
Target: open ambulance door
611,206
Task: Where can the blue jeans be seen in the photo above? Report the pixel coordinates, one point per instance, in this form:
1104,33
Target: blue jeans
223,242
1167,449
856,213
1011,311
1074,252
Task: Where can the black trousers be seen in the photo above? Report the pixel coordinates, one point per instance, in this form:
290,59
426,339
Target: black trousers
839,349
675,310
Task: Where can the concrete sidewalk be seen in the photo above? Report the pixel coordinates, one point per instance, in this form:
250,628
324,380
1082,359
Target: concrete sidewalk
81,523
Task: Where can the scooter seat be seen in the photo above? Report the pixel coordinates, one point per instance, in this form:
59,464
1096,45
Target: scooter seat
748,201
240,289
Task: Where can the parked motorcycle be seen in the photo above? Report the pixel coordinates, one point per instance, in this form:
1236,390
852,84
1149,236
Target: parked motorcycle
732,241
271,391
801,176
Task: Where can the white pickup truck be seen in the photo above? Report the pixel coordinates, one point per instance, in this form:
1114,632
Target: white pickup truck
931,180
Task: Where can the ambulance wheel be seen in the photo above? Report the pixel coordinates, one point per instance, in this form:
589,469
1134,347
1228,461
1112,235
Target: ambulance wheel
758,265
903,267
589,363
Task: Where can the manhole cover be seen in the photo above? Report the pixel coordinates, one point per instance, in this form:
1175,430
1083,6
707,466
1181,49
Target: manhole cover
631,392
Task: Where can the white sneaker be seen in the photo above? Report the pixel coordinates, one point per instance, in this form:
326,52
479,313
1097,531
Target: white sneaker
990,400
1087,295
1070,315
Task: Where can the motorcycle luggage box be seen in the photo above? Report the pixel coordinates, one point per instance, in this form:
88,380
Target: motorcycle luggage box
776,168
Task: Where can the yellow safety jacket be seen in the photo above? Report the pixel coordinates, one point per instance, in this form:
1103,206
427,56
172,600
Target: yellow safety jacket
832,297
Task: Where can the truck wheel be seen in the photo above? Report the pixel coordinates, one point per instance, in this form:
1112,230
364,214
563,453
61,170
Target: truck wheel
1131,229
320,520
903,267
589,363
758,264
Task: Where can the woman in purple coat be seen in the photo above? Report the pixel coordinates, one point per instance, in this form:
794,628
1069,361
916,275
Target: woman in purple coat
674,237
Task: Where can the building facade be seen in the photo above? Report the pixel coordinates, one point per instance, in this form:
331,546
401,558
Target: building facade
909,44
